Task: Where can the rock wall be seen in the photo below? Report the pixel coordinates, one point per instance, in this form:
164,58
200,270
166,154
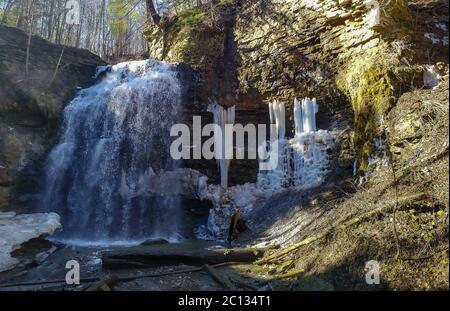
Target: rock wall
355,56
208,45
32,96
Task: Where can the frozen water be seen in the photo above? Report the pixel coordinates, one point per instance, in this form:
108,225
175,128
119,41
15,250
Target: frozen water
221,117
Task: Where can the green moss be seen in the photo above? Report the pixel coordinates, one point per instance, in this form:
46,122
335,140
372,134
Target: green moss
194,36
368,84
369,80
312,283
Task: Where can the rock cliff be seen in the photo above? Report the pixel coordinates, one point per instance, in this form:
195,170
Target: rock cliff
35,86
356,57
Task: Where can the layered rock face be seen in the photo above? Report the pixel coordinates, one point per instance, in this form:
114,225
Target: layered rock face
34,89
208,45
344,53
289,48
355,56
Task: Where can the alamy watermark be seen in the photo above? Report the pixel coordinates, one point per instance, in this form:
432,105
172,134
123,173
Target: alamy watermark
73,13
220,144
372,272
73,275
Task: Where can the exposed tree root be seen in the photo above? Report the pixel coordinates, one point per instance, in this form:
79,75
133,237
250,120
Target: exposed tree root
290,274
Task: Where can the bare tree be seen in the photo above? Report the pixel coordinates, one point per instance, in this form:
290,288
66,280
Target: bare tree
152,12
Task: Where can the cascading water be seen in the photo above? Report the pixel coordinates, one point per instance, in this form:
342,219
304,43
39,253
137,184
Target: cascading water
115,135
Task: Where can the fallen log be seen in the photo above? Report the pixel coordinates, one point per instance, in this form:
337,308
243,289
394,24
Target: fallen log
139,258
290,274
243,284
124,278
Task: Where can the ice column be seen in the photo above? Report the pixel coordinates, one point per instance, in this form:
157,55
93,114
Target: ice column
221,117
305,115
277,113
298,117
309,110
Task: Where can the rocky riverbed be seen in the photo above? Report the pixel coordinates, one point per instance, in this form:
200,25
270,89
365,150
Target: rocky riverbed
50,274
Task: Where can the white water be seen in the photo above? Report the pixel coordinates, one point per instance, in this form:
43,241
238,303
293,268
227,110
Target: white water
115,134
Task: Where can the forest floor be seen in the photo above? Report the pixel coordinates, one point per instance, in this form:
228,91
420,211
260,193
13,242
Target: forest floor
398,218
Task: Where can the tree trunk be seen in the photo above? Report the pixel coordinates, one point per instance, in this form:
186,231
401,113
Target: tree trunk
152,13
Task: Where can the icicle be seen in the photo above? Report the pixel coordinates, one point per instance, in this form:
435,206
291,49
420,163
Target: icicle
277,113
281,121
309,110
222,117
271,113
298,118
303,160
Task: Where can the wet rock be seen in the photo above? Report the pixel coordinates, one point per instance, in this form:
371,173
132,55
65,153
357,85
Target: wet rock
154,242
186,182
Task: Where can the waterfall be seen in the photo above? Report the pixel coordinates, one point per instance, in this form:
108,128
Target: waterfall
116,134
302,160
221,117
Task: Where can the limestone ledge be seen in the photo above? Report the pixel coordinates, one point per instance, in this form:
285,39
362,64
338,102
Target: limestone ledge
18,229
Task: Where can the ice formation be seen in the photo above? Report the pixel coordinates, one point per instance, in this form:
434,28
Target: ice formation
305,115
277,111
302,160
302,164
221,117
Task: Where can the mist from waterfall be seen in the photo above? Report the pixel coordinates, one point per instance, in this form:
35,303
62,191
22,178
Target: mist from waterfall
116,134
